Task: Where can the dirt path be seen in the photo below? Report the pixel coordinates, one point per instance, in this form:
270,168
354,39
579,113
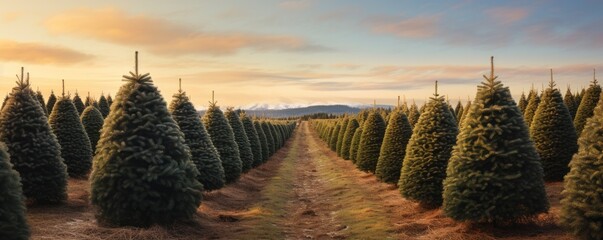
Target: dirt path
303,192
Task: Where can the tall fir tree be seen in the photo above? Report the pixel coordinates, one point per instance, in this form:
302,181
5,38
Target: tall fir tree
553,134
52,99
203,153
92,120
347,138
531,108
34,150
334,135
355,144
587,105
143,174
263,140
254,140
344,126
582,204
245,153
13,223
494,174
103,106
369,148
570,102
76,149
223,138
427,154
109,100
79,105
393,148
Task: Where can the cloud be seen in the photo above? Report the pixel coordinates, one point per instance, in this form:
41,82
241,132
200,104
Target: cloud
507,15
295,4
10,16
346,66
39,53
420,27
165,38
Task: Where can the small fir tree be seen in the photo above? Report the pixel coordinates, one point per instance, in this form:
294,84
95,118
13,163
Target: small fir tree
494,174
75,145
373,132
92,120
241,138
587,105
347,138
103,106
263,141
142,171
52,99
34,150
40,99
269,138
553,134
570,102
523,102
254,140
344,126
355,144
79,105
531,108
414,114
393,149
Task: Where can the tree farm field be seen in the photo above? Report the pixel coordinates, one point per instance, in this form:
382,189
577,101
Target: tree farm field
303,192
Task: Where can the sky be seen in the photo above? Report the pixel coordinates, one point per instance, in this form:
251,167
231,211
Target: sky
285,53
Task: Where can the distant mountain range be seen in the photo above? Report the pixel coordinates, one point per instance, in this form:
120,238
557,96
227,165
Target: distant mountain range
337,109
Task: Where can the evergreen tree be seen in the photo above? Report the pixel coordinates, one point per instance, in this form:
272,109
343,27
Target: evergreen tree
355,144
34,150
103,106
275,137
40,99
531,108
458,110
52,99
334,135
373,131
263,140
427,154
587,106
414,114
79,105
13,224
570,102
393,148
494,173
581,206
344,126
222,136
254,140
523,102
92,120
241,138
89,101
553,134
404,108
269,138
203,153
347,138
142,173
109,100
465,112
75,145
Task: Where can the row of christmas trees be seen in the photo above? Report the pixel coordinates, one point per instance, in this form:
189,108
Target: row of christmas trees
152,162
484,162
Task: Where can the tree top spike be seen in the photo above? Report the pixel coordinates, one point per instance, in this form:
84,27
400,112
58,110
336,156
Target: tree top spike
552,83
594,76
398,101
436,88
180,85
136,62
63,82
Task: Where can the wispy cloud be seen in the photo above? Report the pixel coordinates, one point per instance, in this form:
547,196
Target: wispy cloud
507,15
166,38
414,27
39,53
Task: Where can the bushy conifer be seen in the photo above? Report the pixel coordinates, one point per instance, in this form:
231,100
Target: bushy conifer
587,105
347,138
241,138
13,224
93,121
254,140
373,132
393,148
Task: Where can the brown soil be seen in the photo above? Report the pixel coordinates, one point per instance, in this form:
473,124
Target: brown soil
303,192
